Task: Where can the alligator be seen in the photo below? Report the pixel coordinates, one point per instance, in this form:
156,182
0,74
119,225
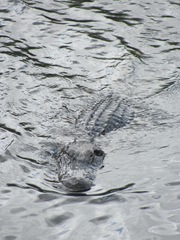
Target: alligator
78,161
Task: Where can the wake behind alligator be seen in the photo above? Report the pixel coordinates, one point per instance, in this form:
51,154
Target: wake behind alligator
78,162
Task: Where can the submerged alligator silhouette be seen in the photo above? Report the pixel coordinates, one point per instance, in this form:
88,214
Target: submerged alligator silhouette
78,162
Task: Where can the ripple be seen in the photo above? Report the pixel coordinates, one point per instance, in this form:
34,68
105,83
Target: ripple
46,197
100,220
57,57
59,219
10,237
167,229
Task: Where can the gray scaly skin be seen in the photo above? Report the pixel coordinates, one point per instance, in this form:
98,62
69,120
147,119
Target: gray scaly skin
79,161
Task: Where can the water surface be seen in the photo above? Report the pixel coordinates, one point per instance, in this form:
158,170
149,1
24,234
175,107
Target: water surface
57,58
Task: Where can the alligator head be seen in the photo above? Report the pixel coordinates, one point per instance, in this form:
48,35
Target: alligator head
78,163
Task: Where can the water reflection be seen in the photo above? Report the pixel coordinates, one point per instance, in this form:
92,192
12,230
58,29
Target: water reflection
57,58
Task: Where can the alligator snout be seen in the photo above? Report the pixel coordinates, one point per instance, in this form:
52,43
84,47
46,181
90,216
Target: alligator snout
77,165
77,184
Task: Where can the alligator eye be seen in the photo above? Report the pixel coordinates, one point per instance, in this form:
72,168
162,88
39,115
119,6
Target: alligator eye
98,152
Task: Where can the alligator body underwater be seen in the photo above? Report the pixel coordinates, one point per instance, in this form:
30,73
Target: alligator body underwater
78,162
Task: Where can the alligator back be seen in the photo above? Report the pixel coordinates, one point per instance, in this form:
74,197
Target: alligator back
109,113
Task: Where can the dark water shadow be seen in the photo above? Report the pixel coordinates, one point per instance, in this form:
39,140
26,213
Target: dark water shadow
73,194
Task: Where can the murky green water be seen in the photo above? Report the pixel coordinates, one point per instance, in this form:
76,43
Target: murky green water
56,58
